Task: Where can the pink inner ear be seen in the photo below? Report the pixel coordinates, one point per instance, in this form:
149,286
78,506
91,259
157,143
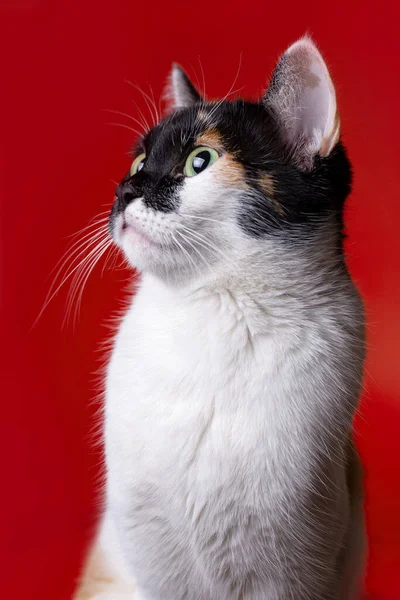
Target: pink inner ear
314,111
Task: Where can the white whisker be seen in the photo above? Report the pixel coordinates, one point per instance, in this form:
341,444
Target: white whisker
91,223
112,253
118,112
76,255
193,265
149,102
141,114
203,78
126,127
83,242
154,104
81,278
218,104
199,218
194,247
202,241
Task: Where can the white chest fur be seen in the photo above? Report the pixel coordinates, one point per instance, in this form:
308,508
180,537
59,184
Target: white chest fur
214,410
189,382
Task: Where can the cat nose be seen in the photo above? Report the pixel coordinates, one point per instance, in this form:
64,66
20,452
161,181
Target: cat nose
125,194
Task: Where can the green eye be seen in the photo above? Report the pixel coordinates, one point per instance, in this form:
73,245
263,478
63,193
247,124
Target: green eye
137,164
199,159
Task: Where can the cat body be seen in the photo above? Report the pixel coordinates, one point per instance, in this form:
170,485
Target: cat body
236,371
216,472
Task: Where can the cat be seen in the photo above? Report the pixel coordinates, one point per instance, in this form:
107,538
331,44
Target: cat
236,371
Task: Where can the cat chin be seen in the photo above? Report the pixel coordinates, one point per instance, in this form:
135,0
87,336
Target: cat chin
139,248
140,251
167,264
148,256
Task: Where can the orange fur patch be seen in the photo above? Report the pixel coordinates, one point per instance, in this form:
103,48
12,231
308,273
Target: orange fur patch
230,172
211,138
266,183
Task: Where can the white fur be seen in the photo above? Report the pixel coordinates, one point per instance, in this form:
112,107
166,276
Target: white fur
229,403
218,388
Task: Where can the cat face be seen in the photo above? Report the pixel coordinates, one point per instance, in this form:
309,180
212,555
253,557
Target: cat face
215,176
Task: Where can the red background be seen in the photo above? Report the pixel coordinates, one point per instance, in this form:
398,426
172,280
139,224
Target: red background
62,63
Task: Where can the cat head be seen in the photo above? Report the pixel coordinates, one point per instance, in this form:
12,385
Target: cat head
215,178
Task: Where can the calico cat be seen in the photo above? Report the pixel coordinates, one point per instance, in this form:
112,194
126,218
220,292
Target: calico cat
236,371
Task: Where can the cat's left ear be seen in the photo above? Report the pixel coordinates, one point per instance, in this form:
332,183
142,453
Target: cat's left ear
180,91
302,97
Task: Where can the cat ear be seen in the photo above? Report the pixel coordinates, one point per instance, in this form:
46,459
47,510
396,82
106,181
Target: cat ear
180,91
302,97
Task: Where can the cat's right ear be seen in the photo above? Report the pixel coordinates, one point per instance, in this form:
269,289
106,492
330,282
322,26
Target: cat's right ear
302,98
180,91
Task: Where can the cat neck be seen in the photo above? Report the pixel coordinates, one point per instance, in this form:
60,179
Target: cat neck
271,284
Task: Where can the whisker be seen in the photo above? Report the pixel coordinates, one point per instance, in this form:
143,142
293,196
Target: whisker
204,81
81,279
160,110
81,269
118,112
196,77
91,223
72,255
139,133
76,250
92,230
147,99
194,248
198,217
89,269
193,265
111,253
147,128
202,241
154,104
218,104
117,254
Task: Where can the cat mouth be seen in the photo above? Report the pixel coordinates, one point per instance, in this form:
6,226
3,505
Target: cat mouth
133,233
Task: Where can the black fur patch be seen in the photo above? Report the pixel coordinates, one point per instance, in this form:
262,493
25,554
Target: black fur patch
166,147
249,132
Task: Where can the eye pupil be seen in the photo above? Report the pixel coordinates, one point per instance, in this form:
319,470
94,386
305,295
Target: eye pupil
201,160
140,166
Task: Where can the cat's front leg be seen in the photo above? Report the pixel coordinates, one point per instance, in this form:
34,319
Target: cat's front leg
105,575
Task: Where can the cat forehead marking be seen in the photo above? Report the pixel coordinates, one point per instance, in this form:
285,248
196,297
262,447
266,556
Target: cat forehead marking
212,138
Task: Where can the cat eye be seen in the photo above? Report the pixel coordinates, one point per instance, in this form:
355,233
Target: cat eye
137,164
199,159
